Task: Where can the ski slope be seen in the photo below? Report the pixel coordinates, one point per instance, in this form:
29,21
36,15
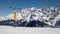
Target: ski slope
28,30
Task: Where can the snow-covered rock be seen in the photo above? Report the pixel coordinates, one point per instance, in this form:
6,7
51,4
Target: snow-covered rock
46,15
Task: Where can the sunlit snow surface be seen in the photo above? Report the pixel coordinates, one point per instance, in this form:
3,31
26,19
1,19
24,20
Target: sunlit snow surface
28,30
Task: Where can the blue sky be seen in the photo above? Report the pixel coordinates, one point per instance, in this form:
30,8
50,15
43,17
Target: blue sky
5,4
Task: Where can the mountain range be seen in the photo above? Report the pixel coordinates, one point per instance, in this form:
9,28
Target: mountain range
47,16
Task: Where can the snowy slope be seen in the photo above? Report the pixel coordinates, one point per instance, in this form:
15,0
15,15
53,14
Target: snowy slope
46,15
26,30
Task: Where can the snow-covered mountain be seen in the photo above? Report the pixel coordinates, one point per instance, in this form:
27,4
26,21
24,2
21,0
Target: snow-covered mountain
46,15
